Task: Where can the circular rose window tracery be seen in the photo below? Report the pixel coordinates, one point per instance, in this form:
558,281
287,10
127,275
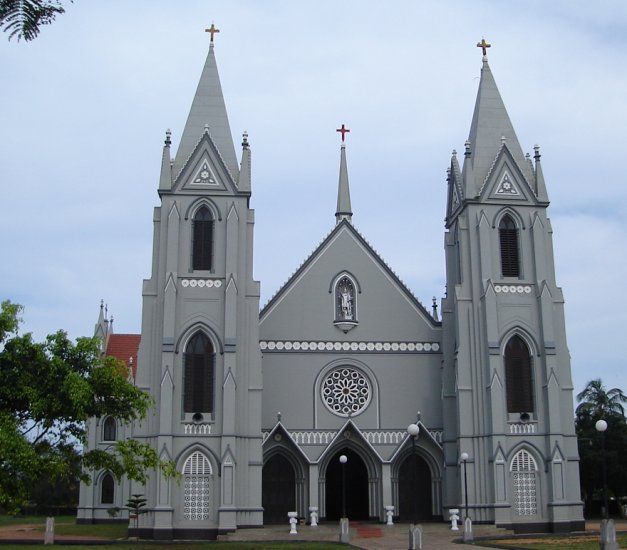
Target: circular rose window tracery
346,391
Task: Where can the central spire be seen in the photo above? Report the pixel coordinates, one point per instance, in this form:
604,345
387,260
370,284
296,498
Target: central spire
344,211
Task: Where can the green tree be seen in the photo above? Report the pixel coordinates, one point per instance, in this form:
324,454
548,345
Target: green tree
596,403
48,392
23,18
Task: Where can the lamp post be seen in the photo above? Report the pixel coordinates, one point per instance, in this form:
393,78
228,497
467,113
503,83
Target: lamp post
600,427
464,458
343,461
413,430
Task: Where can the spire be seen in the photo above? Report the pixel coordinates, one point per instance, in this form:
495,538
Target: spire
243,183
540,187
165,180
208,108
491,128
343,211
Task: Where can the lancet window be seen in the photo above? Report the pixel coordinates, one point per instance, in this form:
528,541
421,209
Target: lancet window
518,376
109,429
198,387
202,239
196,487
510,251
107,489
523,470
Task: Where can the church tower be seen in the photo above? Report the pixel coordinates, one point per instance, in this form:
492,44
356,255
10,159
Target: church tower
507,388
199,353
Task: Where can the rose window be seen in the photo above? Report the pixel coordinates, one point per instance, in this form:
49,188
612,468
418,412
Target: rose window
346,391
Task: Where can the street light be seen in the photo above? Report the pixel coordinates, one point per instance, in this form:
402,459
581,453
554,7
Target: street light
464,458
413,430
600,427
343,461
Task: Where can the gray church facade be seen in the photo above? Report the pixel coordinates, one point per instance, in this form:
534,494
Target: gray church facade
255,407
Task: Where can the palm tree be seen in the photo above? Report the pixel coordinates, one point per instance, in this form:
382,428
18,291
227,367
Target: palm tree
599,402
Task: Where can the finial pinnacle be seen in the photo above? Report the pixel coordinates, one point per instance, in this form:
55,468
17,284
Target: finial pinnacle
245,143
168,135
212,30
343,130
484,47
467,148
536,149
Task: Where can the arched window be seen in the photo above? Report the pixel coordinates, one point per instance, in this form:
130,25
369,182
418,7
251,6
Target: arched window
196,487
198,375
202,239
109,429
107,489
518,376
523,470
345,303
510,253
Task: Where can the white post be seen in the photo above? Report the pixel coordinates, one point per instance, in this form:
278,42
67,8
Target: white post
608,535
293,522
345,535
468,536
49,534
415,537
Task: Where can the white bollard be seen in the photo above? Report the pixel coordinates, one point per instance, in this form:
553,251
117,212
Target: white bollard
608,535
345,534
313,514
49,534
468,536
415,537
389,513
293,522
454,518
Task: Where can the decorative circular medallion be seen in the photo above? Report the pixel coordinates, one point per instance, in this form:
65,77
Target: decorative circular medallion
346,391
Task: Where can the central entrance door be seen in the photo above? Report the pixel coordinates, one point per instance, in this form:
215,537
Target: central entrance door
414,489
356,487
278,489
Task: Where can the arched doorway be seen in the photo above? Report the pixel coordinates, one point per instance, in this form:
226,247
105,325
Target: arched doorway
278,489
356,482
414,489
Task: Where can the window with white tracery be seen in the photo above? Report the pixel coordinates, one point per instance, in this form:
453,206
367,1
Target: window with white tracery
523,471
196,487
345,391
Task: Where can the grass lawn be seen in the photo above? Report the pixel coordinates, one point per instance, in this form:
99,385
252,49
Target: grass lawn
589,542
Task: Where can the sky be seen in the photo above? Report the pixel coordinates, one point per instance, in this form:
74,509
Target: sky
84,110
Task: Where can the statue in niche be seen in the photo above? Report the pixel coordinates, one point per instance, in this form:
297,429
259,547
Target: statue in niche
345,297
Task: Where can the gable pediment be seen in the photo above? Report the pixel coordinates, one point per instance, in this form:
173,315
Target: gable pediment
205,170
506,182
385,309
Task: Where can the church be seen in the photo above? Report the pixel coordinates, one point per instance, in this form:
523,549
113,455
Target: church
465,404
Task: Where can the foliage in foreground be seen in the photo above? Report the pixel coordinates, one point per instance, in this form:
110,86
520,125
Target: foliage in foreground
48,392
598,450
23,18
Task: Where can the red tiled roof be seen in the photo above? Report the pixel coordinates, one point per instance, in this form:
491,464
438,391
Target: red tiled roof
123,347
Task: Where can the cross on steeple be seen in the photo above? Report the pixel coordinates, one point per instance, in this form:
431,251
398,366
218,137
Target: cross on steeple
212,30
343,130
484,46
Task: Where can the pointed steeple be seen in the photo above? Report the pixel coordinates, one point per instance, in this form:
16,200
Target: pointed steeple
243,183
540,187
208,108
165,180
491,129
344,211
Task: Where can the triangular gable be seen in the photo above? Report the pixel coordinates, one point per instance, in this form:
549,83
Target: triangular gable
205,169
455,189
346,226
356,436
424,433
279,428
506,181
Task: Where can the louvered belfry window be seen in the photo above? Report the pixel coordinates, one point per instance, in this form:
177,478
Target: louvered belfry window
510,256
202,245
518,376
198,375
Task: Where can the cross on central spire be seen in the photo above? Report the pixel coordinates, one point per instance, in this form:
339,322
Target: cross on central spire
212,30
343,130
484,46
